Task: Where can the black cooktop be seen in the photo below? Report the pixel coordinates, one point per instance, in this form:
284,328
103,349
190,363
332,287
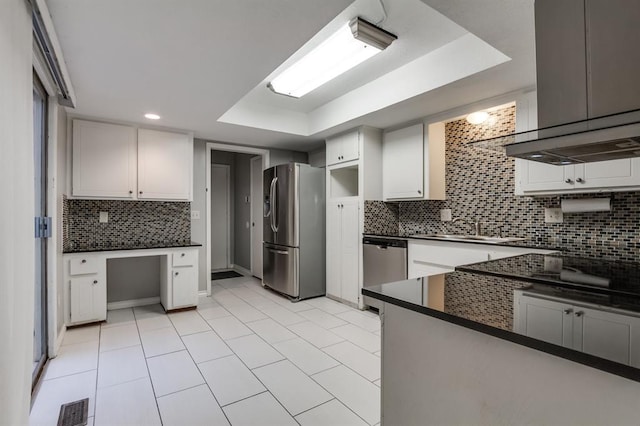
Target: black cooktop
593,275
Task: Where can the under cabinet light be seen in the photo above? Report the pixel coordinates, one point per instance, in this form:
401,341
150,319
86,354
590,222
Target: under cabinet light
351,45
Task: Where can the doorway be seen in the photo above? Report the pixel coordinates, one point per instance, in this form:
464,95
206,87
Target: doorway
221,216
42,227
244,207
256,216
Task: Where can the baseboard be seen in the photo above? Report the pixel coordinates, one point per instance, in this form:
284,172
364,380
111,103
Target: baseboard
241,270
133,303
203,293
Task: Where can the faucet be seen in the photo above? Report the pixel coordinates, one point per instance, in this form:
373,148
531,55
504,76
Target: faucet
477,225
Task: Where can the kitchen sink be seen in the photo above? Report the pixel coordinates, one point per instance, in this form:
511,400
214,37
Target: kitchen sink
478,238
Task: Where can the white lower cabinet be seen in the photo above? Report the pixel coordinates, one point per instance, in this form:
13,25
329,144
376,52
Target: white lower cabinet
88,299
343,250
86,277
429,257
612,335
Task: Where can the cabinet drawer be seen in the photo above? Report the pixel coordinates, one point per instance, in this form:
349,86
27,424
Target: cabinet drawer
184,258
83,265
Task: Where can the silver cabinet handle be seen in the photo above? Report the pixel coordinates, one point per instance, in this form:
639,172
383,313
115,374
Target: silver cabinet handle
580,180
83,261
95,281
579,314
568,181
283,252
419,192
568,311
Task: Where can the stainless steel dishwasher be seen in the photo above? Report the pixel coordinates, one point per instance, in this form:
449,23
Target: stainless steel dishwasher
384,261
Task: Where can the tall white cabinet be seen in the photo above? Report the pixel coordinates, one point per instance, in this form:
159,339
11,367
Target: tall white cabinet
350,181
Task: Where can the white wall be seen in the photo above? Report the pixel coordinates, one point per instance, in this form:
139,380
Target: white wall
61,178
279,156
199,226
16,214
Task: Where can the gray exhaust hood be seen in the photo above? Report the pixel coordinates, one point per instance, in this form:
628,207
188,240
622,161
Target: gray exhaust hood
610,137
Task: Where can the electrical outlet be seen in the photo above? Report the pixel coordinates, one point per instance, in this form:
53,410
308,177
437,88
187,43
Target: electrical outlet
445,215
553,215
104,217
195,214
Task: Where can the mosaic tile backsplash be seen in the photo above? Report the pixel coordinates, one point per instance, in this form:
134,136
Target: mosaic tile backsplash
130,223
480,186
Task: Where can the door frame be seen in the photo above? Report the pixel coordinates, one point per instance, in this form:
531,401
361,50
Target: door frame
216,146
227,169
252,218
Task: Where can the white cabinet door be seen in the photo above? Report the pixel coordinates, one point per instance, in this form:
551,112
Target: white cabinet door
607,335
342,148
403,163
184,287
164,165
104,160
351,146
88,298
334,254
333,150
544,320
607,174
350,250
535,176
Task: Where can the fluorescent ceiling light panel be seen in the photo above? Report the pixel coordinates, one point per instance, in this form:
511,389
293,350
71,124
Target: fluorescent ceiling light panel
351,45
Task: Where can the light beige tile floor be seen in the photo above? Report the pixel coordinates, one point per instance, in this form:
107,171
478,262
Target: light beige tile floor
246,354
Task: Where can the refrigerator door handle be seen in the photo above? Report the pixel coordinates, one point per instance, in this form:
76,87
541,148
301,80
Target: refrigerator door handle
274,204
286,253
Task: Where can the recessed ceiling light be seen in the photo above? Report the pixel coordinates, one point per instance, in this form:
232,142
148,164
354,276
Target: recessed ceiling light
152,116
478,117
535,156
353,43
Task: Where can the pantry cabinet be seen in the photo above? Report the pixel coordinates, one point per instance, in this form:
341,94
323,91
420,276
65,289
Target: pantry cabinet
343,246
349,182
613,335
112,161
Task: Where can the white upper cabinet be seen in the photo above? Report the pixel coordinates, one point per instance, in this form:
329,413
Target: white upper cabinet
121,162
343,148
164,165
403,163
413,164
534,178
104,160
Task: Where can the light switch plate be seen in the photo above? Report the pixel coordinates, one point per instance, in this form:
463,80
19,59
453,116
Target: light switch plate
104,217
553,215
195,214
445,215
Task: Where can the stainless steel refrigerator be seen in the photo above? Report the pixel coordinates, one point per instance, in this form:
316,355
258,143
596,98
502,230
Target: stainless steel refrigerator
294,230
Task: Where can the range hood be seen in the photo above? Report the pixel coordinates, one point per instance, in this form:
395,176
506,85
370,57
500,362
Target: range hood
605,138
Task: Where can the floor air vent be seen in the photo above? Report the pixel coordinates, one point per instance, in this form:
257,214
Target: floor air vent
74,413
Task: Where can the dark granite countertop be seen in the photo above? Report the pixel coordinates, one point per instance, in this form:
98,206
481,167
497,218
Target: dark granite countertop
593,275
523,243
134,246
485,303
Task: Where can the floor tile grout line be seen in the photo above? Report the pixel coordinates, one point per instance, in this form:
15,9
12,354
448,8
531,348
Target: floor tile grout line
202,375
146,363
319,405
341,401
